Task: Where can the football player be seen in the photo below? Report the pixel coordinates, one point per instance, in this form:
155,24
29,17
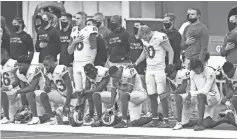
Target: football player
129,86
9,87
59,75
83,45
156,44
203,87
230,72
97,81
32,84
179,81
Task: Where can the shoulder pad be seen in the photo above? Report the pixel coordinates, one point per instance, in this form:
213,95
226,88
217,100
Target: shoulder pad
102,71
129,72
184,74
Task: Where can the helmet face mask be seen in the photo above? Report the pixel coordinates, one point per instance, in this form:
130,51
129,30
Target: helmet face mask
22,116
74,117
109,117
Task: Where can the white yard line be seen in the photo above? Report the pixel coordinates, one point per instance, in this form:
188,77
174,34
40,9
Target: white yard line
17,137
226,134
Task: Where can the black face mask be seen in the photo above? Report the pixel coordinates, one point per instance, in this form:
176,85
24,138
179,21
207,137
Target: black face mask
15,28
44,23
113,26
135,30
64,24
231,25
98,24
167,25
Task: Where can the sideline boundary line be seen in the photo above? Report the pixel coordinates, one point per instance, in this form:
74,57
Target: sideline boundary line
133,131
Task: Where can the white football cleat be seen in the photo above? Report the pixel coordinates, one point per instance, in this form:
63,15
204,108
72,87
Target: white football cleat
4,120
52,121
178,126
34,121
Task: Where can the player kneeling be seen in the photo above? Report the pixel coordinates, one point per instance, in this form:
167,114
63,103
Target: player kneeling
230,72
132,95
179,79
9,87
32,85
97,82
63,95
203,87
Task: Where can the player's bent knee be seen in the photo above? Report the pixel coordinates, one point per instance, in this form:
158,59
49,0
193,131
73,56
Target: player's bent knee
178,98
44,96
201,96
124,97
30,96
96,96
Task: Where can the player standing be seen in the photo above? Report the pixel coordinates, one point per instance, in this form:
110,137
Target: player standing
156,44
83,44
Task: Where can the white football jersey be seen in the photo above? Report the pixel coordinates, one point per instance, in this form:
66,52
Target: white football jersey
83,51
101,73
155,54
181,75
233,80
57,78
200,80
7,72
31,73
130,73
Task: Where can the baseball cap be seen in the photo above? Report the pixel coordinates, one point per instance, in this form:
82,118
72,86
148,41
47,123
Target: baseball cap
116,19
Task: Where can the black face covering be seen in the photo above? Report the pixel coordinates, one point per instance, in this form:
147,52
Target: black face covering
135,30
231,25
44,23
64,24
113,26
98,24
15,28
167,25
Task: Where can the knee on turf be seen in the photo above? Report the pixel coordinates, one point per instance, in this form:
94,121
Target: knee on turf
124,97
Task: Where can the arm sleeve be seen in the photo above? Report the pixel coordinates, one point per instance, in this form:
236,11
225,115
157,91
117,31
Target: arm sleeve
37,47
204,43
223,51
29,43
176,46
57,42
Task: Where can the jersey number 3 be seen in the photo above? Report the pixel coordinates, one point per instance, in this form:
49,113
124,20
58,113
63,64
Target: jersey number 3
60,85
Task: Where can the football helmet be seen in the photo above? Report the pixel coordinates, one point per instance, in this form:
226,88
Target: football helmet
109,117
88,120
75,117
23,116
